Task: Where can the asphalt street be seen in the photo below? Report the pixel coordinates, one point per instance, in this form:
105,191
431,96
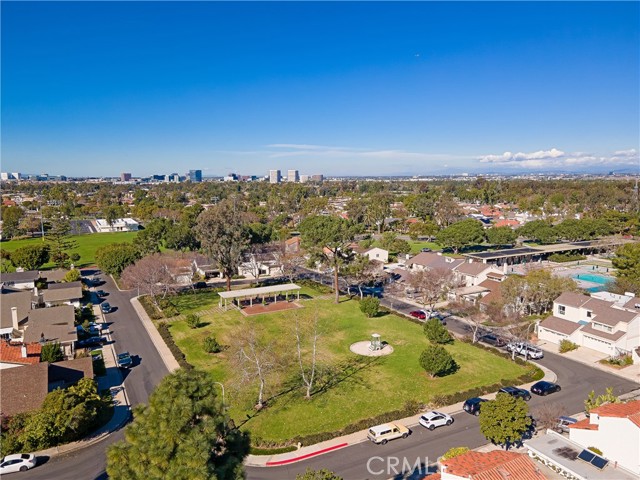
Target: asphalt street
129,335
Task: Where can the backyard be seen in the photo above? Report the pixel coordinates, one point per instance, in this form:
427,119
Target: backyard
349,387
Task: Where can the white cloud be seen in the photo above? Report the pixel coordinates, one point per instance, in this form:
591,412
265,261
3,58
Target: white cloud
555,159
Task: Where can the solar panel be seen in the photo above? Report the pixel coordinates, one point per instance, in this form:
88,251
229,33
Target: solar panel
586,455
599,462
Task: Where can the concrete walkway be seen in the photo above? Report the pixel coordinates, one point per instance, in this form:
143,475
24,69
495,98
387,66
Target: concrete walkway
592,358
112,381
167,357
361,436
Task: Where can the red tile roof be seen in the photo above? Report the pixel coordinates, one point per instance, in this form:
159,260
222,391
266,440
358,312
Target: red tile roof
507,223
12,353
494,465
619,410
584,425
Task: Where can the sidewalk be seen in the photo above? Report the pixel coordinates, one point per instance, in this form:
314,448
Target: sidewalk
361,436
112,381
164,352
592,358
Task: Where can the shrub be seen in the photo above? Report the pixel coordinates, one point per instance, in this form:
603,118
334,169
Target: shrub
436,361
163,329
621,361
211,345
595,450
193,320
153,311
369,306
454,452
168,308
51,352
436,332
566,346
272,451
72,275
566,257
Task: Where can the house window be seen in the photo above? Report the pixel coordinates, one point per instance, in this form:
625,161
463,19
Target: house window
561,309
588,314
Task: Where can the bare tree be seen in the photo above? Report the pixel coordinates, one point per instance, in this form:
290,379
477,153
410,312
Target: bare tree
255,359
475,320
308,330
150,275
547,414
431,285
256,259
360,271
290,263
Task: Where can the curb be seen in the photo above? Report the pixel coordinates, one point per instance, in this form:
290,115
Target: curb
163,350
304,457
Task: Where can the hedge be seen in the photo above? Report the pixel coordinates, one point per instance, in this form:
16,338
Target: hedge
410,408
150,308
163,329
271,451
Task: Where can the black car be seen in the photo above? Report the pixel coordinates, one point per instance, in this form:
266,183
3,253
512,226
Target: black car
516,392
124,360
105,307
101,293
472,405
200,285
494,340
545,388
90,342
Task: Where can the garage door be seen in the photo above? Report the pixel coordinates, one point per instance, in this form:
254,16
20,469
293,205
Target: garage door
597,344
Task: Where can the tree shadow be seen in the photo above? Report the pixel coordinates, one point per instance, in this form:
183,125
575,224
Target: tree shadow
344,371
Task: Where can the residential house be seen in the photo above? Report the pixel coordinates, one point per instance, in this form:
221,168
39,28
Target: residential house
493,465
431,261
613,428
204,266
15,306
378,254
292,245
53,324
24,389
63,294
20,280
16,355
53,276
472,273
593,323
508,222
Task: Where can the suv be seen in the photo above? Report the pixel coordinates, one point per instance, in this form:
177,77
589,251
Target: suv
516,392
526,350
491,339
105,307
381,434
473,405
434,419
124,360
563,424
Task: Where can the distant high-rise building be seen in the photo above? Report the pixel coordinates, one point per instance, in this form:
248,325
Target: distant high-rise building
317,178
195,175
125,177
274,176
304,178
292,176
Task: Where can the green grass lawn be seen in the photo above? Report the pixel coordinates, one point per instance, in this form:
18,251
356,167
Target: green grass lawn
416,246
356,387
87,245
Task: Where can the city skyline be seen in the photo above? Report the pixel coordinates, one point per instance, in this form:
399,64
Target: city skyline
397,89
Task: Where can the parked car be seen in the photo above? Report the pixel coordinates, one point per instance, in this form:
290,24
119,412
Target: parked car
91,342
18,462
381,434
516,392
425,250
524,349
101,293
124,360
434,419
105,307
494,340
200,285
563,424
93,329
473,405
418,314
545,388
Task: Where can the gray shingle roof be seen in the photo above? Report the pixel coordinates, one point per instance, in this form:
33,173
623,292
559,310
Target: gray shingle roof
560,325
56,323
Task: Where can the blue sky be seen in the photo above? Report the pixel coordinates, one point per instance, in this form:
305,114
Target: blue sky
358,88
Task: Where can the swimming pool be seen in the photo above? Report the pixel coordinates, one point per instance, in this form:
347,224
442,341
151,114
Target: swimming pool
590,277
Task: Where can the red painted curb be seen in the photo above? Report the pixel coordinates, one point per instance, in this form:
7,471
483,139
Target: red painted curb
308,455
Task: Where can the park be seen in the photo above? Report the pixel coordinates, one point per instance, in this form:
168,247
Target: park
348,388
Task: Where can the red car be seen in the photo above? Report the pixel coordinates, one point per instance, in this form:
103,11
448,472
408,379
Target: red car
418,314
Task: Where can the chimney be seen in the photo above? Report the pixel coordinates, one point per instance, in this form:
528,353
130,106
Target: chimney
23,351
14,318
35,292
